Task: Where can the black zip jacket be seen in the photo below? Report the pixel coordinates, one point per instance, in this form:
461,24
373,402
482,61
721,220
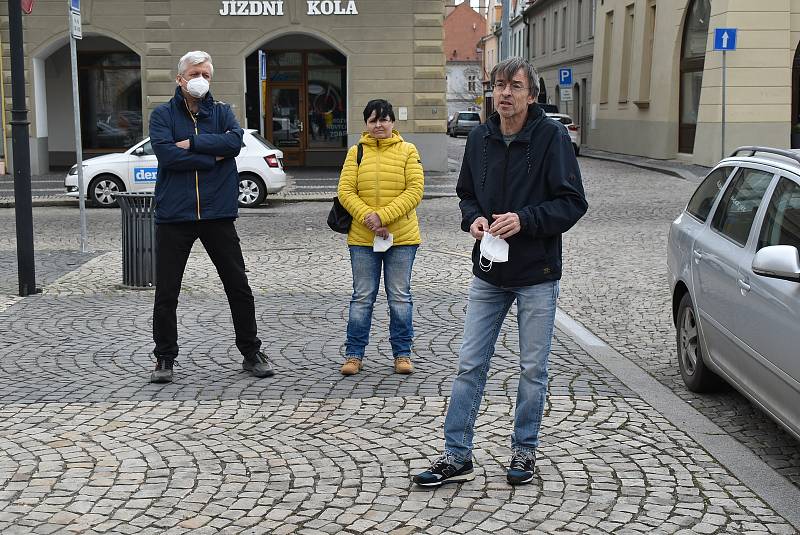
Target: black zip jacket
537,176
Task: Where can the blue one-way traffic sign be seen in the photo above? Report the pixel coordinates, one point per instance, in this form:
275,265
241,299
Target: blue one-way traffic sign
724,38
565,77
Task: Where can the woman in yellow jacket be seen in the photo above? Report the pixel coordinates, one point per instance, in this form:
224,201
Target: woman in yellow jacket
381,193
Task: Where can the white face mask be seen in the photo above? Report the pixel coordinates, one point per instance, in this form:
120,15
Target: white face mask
492,249
197,87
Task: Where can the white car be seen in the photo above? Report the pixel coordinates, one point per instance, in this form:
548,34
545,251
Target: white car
260,167
573,129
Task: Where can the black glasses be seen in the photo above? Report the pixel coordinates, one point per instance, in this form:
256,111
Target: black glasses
516,87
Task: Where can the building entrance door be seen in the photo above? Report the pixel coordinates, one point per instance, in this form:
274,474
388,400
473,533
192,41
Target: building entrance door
285,110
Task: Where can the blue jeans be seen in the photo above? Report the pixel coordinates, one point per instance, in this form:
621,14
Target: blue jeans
397,263
486,309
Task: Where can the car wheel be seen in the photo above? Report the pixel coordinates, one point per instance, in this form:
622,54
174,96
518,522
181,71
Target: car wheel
252,190
577,149
694,371
102,191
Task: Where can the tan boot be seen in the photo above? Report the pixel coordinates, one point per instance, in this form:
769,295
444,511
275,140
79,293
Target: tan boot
351,366
403,365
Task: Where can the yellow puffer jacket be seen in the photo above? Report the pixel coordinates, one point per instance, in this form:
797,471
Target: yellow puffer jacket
389,182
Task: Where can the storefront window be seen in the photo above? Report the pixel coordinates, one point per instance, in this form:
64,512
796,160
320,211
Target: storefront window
327,116
111,100
284,59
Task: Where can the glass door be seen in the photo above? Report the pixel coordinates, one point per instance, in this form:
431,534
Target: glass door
285,128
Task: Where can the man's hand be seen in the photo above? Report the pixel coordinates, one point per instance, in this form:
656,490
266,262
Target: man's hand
505,225
478,227
183,144
383,232
373,222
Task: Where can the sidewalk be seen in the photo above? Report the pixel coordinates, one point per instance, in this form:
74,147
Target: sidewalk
87,445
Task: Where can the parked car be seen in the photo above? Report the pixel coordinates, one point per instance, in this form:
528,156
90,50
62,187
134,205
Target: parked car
463,122
573,129
548,108
260,166
734,273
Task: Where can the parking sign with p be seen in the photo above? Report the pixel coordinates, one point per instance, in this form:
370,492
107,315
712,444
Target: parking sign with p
565,76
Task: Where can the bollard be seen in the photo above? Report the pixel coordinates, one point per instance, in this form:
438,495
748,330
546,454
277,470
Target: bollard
138,239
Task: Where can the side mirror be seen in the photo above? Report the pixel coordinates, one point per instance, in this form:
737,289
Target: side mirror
778,262
139,151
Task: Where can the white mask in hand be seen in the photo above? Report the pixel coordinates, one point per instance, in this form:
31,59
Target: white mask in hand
380,245
492,249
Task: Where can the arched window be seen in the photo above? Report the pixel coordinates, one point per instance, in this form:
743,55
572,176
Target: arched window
693,55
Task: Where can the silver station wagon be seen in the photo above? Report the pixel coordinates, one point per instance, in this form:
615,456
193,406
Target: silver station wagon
734,273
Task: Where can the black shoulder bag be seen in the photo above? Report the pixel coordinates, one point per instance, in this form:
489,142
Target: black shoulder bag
339,219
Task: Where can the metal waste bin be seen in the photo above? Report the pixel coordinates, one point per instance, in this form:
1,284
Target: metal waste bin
138,239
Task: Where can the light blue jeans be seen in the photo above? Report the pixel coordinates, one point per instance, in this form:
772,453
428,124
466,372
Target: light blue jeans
397,263
486,309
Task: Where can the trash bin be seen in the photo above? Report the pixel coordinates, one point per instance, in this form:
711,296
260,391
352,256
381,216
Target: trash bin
138,239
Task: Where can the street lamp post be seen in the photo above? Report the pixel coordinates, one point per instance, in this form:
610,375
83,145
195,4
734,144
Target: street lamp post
22,157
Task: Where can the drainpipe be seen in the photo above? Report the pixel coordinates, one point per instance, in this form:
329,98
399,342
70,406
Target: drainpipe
505,31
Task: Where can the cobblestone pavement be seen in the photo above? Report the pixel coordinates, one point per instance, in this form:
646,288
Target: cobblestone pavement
88,446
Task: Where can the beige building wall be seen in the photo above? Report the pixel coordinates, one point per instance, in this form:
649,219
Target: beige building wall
758,79
393,50
563,41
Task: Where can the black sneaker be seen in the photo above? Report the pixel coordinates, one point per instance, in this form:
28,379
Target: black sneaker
258,365
445,470
163,371
520,469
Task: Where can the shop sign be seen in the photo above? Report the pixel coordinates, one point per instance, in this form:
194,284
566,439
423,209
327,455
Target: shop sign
275,7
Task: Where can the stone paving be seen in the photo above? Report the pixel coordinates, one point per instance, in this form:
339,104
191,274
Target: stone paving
88,446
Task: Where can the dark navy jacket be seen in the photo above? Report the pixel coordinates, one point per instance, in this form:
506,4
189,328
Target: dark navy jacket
537,176
192,185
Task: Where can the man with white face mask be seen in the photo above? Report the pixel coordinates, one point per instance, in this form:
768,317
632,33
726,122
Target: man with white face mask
520,189
196,139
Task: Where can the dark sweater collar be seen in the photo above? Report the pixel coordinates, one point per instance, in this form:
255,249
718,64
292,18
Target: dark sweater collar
535,114
206,104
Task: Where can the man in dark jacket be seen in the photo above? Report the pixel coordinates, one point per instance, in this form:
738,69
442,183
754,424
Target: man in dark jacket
196,140
520,189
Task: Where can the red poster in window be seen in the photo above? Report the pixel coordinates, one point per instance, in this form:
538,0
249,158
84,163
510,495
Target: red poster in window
27,6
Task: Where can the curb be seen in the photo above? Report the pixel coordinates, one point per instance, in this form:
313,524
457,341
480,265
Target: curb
663,169
781,495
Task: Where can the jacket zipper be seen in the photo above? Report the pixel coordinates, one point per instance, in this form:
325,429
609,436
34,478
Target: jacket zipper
503,200
196,174
377,169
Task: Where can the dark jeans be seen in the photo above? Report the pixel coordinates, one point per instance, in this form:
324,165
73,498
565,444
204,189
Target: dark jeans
173,243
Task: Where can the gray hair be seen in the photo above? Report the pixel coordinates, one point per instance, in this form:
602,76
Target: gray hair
509,67
196,57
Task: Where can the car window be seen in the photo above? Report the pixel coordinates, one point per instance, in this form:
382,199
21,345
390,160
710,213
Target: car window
782,221
703,199
469,116
258,137
737,209
148,149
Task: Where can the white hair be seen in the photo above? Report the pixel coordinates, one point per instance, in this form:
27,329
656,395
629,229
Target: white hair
195,57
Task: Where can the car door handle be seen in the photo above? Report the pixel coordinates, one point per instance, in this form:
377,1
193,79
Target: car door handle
744,286
697,255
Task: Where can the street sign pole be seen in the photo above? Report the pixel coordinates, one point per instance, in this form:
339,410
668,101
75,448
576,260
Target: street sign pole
23,203
74,20
723,104
262,76
724,40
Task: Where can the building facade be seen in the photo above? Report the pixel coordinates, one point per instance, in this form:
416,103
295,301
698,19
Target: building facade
658,89
463,29
323,60
560,34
